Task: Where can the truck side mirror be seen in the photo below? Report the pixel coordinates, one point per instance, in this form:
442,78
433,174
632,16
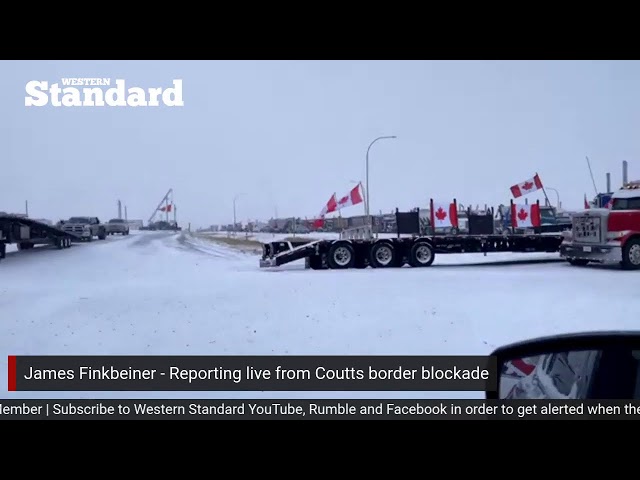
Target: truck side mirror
594,365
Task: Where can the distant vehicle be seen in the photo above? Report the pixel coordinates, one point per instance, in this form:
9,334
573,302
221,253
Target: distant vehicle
117,226
551,221
300,229
85,227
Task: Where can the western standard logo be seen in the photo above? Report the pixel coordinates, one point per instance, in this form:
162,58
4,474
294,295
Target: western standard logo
91,92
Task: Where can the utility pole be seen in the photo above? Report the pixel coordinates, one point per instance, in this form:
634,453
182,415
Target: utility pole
119,209
26,207
126,217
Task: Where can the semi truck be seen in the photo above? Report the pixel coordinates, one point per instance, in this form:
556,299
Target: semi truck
608,234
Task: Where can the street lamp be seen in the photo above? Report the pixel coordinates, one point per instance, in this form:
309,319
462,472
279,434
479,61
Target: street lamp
234,213
366,206
557,195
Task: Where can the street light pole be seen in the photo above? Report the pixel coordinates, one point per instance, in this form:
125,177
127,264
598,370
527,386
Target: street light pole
557,195
235,228
366,206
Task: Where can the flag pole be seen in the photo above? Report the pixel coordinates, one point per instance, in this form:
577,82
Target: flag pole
546,198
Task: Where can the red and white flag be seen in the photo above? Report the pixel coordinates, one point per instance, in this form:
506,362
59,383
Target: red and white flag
586,203
527,187
330,206
443,215
520,367
354,197
525,216
166,208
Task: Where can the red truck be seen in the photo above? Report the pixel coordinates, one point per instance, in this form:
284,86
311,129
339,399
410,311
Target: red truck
607,235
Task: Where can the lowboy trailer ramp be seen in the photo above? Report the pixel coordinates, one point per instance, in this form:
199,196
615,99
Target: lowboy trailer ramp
26,233
359,250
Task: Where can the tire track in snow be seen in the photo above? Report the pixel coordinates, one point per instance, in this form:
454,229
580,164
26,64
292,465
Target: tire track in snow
187,242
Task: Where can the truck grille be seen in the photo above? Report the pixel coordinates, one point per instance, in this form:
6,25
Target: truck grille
74,228
587,229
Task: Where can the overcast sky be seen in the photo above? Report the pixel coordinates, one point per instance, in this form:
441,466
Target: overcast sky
287,134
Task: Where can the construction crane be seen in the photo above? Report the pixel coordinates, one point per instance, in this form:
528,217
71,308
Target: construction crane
168,207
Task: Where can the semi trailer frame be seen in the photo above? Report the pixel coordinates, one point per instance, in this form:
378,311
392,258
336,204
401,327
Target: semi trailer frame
358,249
27,233
419,251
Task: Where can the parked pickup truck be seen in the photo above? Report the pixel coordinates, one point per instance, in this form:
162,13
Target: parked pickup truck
117,225
85,227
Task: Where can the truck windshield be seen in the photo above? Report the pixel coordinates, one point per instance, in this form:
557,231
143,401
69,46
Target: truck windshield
116,220
79,220
547,216
626,204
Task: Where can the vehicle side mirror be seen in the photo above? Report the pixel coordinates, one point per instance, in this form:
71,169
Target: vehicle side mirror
595,365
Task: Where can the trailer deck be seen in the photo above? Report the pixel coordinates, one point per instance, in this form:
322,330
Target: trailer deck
419,251
26,233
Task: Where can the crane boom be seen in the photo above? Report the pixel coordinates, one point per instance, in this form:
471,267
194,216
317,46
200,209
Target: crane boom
164,199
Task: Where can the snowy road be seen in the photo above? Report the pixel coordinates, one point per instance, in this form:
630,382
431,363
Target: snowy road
171,294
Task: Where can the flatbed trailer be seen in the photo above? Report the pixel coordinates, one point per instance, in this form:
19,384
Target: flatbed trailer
419,251
27,233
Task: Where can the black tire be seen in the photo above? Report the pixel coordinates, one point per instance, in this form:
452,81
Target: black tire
631,254
382,255
421,254
315,262
25,246
578,262
102,235
341,256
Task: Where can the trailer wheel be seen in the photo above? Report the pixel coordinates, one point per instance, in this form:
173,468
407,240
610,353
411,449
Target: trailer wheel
341,256
578,262
631,254
382,255
315,262
421,255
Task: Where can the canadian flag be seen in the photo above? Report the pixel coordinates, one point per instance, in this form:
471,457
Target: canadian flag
444,215
330,206
526,187
354,197
166,208
586,203
525,216
520,367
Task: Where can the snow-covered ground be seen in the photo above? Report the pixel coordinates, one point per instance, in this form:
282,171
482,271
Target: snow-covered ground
163,293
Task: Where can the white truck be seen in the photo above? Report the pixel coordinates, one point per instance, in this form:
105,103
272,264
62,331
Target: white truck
117,226
85,228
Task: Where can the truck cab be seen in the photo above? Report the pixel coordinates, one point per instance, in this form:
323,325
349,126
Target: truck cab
607,235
